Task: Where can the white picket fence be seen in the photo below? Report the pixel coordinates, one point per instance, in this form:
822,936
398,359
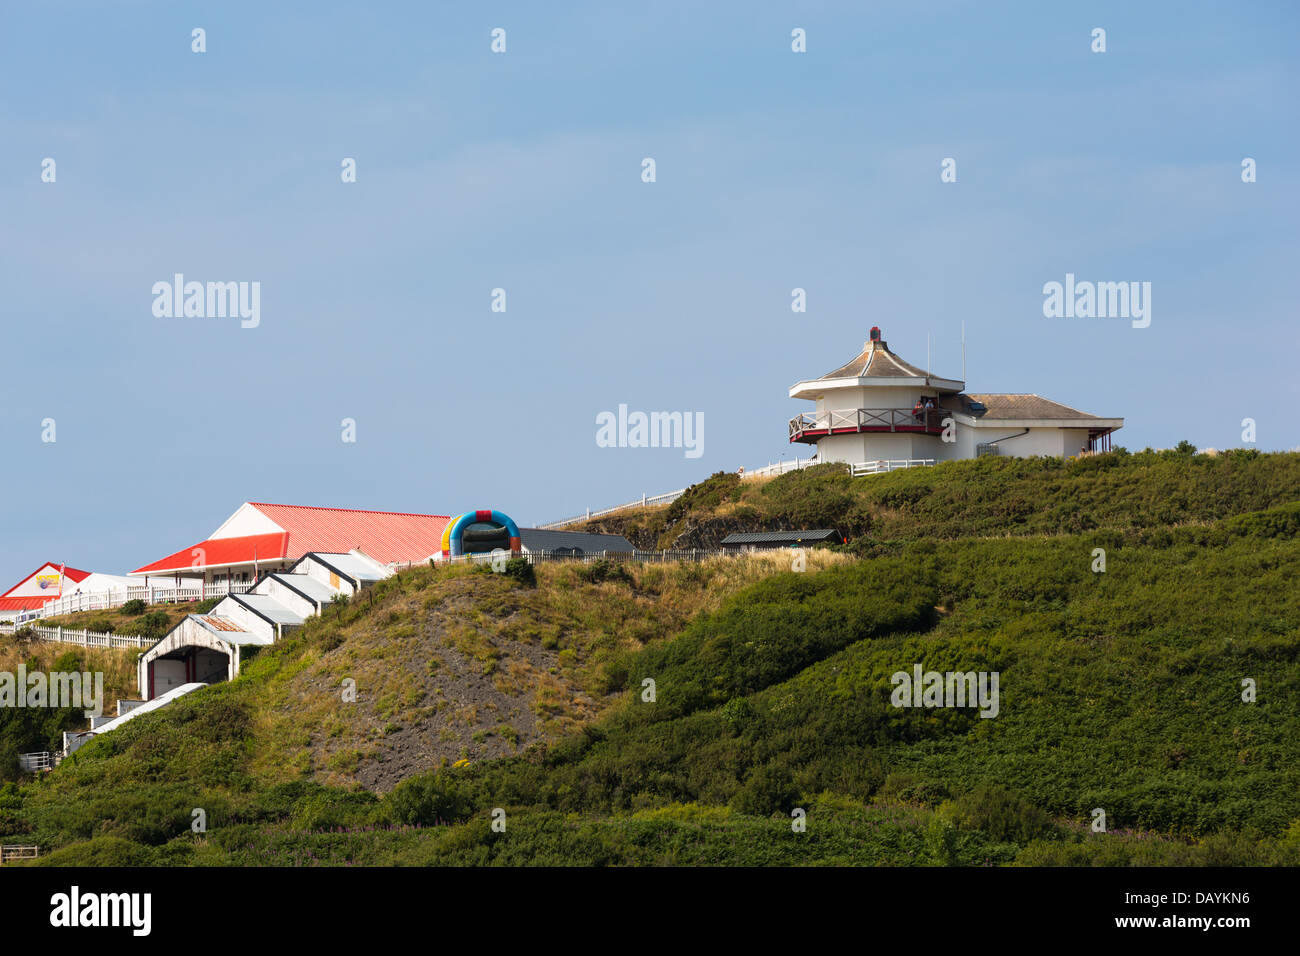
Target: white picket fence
82,637
779,468
104,600
650,501
882,465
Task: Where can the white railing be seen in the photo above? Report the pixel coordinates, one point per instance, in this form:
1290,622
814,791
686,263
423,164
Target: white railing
780,468
650,501
812,425
645,501
18,852
82,637
105,600
882,465
36,762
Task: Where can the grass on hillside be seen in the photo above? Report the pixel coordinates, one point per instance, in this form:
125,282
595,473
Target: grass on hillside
30,730
1120,690
992,496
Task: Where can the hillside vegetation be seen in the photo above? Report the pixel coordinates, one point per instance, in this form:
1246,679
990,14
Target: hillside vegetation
1120,690
993,496
33,729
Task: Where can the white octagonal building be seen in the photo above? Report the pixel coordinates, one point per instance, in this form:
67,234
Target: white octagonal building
879,411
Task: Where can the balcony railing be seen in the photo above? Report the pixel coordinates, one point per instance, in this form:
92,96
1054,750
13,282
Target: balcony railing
810,426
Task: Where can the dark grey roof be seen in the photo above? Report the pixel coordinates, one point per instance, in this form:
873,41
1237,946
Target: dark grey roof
1012,407
541,539
781,537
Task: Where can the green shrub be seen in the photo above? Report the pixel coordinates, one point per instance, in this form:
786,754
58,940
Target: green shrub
1002,815
154,625
520,571
768,790
603,569
427,800
106,851
134,607
718,487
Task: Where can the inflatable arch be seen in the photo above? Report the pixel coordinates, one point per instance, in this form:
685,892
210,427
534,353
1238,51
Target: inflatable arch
476,532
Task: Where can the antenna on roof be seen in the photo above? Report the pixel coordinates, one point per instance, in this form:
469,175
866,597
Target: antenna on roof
963,353
927,358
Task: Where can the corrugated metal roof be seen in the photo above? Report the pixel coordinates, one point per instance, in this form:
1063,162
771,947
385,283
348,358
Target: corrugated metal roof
216,552
24,603
306,584
353,566
781,537
543,539
384,535
269,608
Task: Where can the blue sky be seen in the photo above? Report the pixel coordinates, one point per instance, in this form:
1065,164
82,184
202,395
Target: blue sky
521,170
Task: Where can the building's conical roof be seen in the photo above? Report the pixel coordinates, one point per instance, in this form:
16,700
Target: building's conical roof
877,362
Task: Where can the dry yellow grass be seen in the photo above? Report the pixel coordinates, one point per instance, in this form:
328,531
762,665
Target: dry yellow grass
116,664
454,663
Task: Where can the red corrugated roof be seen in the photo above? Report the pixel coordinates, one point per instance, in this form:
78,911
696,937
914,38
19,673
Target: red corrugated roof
384,535
25,603
220,551
69,574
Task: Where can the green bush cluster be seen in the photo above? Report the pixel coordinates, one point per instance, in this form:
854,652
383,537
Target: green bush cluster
602,569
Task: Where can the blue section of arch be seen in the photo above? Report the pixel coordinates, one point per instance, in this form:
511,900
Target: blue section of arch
456,540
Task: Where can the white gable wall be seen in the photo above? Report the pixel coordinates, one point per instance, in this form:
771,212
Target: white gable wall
286,596
319,572
32,586
247,520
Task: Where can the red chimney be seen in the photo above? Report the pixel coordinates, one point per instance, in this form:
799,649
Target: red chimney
875,333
